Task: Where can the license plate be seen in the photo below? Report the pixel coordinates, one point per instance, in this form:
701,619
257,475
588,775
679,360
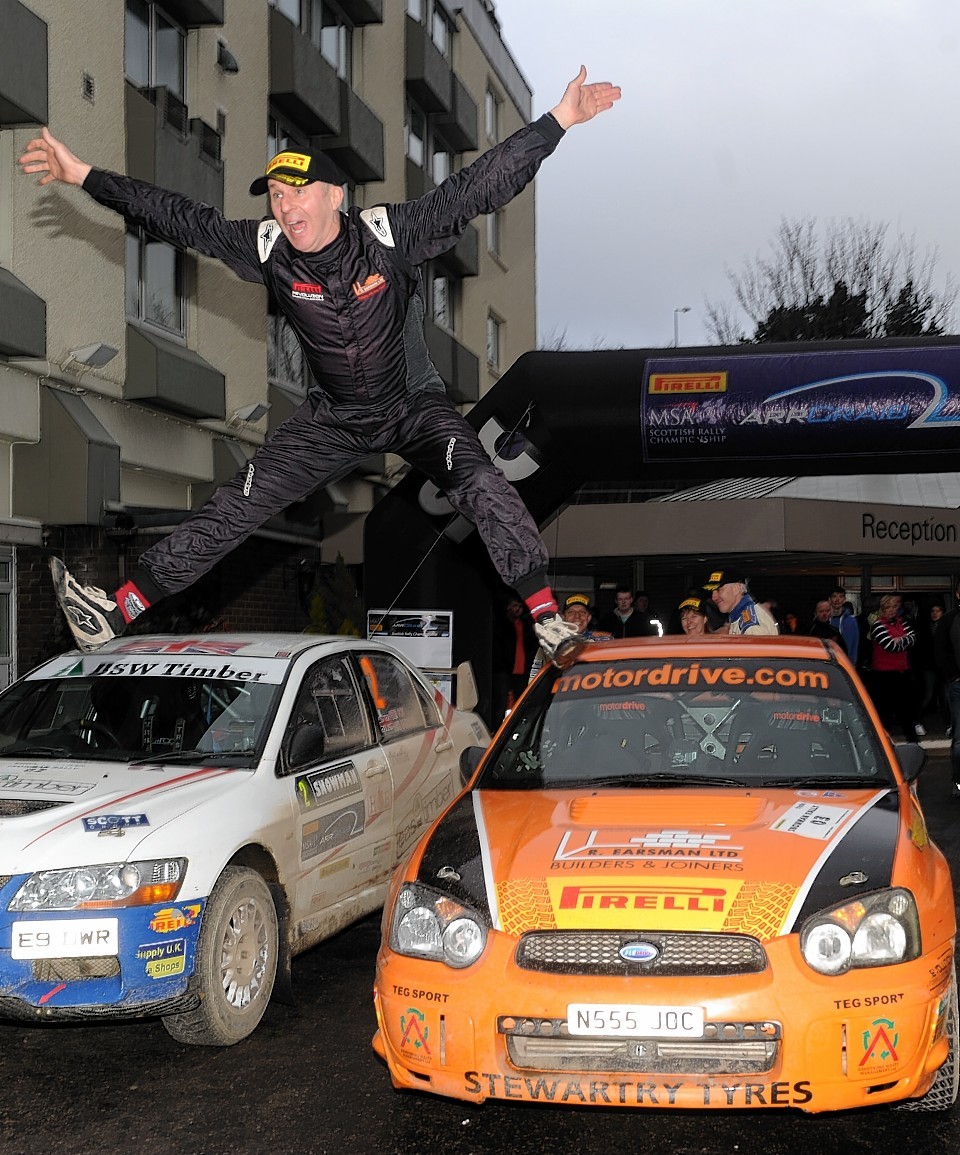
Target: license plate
65,938
625,1020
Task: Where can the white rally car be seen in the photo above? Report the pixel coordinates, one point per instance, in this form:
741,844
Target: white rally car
179,816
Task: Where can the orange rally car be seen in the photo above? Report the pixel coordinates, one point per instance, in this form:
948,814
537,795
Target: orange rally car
689,872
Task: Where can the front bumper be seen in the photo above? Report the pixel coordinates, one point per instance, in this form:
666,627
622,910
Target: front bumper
144,968
784,1037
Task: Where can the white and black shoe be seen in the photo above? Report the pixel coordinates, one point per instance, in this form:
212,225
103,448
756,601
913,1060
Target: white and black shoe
92,616
555,635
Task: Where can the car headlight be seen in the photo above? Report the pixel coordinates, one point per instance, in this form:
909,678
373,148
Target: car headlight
428,924
102,887
874,930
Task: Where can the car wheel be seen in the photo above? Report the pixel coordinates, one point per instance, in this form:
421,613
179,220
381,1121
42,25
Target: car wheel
236,962
943,1090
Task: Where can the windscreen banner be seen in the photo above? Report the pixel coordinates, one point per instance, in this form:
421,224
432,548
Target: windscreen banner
801,405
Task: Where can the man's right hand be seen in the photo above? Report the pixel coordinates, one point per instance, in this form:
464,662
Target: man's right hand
51,157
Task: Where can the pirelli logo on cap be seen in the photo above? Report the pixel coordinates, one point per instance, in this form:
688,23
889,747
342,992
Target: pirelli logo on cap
295,160
687,383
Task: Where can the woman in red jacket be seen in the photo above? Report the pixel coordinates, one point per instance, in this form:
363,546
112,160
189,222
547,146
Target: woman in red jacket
891,684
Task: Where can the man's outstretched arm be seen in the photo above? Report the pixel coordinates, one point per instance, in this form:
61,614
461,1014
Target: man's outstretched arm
582,102
51,157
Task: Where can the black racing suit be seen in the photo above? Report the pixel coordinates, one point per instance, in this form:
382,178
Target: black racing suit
357,310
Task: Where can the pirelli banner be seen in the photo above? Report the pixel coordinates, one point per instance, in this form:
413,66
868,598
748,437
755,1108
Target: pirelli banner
856,403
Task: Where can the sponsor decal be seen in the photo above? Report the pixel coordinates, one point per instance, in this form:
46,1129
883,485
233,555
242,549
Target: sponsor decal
329,831
626,676
414,1033
606,846
324,786
304,291
267,236
163,959
942,968
420,995
811,820
333,867
375,283
376,221
654,1094
107,822
13,783
639,952
295,160
425,807
880,1041
267,671
869,1001
171,918
663,903
917,830
687,383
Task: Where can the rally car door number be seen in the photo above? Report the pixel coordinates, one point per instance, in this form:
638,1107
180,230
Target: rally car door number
624,1020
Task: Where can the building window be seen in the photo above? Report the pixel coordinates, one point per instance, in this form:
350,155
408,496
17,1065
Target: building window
441,31
154,283
444,291
442,163
154,48
416,131
491,115
415,10
494,340
290,8
281,136
286,364
333,35
495,232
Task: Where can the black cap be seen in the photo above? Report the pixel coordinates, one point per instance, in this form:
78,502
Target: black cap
722,575
297,167
695,604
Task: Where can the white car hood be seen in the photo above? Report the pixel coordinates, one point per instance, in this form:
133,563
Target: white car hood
55,814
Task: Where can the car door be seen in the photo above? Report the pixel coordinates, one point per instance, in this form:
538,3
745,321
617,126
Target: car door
422,759
339,781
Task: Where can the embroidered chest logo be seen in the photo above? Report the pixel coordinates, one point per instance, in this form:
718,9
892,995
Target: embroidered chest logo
375,283
304,291
266,238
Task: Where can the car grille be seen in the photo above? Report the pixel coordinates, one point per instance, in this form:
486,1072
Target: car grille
597,953
15,807
71,970
725,1049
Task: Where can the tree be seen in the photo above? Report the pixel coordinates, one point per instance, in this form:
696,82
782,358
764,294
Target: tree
848,284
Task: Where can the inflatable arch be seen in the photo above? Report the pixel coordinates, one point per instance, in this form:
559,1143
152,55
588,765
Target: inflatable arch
555,421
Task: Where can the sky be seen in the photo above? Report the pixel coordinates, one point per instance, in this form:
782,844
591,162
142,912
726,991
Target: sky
734,115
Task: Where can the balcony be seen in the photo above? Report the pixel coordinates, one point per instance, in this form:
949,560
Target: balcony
358,147
303,86
23,319
463,260
195,13
428,74
360,12
23,66
459,368
458,128
167,146
167,376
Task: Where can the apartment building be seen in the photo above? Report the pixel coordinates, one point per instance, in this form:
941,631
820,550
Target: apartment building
135,376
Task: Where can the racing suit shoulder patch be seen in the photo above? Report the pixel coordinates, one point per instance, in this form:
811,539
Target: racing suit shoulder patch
378,223
268,233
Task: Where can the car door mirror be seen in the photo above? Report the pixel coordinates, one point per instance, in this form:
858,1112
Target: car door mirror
303,746
467,693
469,761
910,758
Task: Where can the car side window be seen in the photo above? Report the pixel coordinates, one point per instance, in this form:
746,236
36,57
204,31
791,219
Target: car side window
394,694
328,718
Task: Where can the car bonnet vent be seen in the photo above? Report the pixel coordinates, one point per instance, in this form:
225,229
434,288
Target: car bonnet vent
15,807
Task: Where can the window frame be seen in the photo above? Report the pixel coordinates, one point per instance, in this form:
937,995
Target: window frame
144,240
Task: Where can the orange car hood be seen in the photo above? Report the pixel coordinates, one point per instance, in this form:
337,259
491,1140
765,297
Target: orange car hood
705,860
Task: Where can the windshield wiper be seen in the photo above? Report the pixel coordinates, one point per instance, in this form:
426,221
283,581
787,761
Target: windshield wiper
196,756
643,779
37,751
849,780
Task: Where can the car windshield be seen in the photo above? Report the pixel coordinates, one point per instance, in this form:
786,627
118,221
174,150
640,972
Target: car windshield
127,719
651,722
